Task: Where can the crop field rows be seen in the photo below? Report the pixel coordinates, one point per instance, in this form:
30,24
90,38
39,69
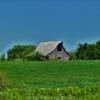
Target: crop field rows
51,80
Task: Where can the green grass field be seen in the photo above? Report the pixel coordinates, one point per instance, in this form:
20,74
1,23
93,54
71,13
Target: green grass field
52,74
51,80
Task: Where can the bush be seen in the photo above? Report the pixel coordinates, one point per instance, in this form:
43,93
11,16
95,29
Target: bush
72,56
35,56
2,57
3,80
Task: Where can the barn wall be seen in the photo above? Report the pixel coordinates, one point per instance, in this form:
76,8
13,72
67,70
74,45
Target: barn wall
56,54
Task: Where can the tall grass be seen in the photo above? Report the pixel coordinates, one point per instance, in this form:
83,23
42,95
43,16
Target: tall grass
69,93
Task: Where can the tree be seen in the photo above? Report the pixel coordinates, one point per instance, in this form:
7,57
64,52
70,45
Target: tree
2,58
98,49
81,52
20,51
72,56
91,52
88,51
35,56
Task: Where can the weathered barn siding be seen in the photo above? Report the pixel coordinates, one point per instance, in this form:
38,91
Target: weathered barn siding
63,55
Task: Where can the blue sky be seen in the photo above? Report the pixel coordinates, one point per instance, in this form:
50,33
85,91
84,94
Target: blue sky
30,22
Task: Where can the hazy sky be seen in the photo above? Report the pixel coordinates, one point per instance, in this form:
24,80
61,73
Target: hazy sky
72,21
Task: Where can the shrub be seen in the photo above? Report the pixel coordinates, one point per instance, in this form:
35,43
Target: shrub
3,80
35,56
2,57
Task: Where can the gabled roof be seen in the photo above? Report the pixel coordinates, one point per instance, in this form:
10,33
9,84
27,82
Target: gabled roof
47,47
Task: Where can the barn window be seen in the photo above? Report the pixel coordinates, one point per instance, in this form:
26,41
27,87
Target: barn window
59,57
47,57
59,47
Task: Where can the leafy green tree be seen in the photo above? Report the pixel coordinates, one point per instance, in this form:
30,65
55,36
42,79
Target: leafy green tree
81,52
20,51
2,57
88,52
98,49
91,52
35,56
72,56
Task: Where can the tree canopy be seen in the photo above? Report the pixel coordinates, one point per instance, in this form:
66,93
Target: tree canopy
20,51
87,51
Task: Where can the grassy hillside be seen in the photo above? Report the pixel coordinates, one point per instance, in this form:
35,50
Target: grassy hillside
52,74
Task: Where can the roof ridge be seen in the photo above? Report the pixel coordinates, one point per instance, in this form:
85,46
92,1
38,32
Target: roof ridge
50,41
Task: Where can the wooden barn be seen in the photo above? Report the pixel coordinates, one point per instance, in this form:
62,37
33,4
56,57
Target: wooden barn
53,50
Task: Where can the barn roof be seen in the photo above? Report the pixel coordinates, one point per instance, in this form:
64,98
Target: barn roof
47,47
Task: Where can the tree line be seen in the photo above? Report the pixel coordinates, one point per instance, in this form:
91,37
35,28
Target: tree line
87,51
84,51
21,52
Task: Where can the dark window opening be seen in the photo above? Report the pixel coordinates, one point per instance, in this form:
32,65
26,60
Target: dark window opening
47,57
59,57
59,48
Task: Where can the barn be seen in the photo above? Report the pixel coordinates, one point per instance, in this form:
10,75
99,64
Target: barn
53,50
